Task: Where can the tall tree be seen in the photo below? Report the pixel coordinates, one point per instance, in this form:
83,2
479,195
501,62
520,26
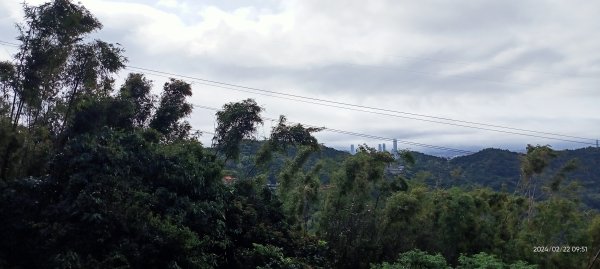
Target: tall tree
54,71
54,63
235,122
172,108
350,212
136,92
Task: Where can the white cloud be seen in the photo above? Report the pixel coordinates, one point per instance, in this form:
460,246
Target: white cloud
525,64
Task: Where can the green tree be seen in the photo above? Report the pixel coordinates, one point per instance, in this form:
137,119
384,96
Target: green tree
136,92
486,261
54,71
532,166
172,109
48,38
237,121
351,212
115,199
415,259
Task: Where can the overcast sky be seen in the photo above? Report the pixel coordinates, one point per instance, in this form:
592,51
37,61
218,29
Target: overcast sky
523,64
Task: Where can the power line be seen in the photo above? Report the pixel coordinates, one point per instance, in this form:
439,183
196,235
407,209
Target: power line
204,132
392,115
361,106
363,135
349,107
9,44
238,87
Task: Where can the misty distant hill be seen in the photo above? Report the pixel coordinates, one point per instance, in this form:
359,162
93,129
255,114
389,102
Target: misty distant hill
500,169
494,168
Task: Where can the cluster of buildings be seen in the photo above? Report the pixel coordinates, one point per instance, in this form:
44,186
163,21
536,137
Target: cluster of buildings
380,147
392,168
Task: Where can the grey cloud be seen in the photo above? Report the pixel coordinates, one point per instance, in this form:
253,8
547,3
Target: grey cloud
523,64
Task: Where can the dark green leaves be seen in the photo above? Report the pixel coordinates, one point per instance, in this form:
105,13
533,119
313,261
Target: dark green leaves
136,92
237,121
172,108
284,135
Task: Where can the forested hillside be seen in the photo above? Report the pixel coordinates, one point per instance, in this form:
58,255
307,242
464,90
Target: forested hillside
492,168
500,170
98,175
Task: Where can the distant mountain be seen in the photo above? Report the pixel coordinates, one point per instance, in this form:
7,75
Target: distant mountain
494,168
500,170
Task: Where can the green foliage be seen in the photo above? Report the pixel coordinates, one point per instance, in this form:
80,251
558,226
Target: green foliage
486,261
501,171
23,152
556,222
536,159
93,179
352,209
118,193
415,259
136,92
54,72
270,257
299,191
94,114
284,135
172,108
453,222
261,235
237,121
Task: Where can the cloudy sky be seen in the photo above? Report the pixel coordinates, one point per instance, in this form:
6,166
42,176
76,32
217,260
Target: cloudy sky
531,65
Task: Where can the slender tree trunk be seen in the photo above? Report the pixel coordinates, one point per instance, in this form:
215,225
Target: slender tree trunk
18,114
13,105
72,99
19,76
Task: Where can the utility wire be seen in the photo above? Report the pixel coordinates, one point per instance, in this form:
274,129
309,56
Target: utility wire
362,135
361,106
204,132
8,44
366,107
299,98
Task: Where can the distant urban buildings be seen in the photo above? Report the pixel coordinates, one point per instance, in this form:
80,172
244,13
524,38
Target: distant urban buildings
381,147
394,168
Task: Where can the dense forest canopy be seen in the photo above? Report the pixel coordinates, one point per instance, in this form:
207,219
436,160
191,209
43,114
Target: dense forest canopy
94,175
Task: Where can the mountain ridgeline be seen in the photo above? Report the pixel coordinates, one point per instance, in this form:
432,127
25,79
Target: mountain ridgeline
500,170
493,168
97,175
